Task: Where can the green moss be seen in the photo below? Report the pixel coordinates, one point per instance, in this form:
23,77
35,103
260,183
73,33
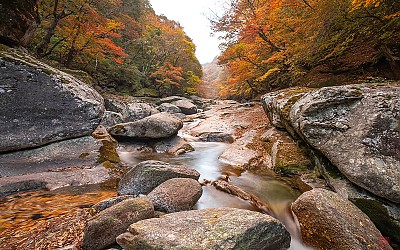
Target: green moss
4,47
291,159
380,217
108,152
48,71
83,155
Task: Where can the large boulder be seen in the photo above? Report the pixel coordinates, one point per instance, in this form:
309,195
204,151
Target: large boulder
157,126
186,106
104,227
137,111
169,108
328,221
357,128
147,175
40,104
224,228
19,21
176,195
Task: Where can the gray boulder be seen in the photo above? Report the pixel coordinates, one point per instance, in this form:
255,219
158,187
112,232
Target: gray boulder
328,221
104,204
40,104
187,107
176,195
156,126
169,108
147,175
224,228
130,108
111,118
137,111
357,128
103,228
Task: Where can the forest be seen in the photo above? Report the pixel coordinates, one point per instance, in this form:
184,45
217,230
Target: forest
117,45
273,44
123,46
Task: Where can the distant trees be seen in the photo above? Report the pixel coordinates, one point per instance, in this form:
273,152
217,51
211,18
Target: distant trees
123,44
277,43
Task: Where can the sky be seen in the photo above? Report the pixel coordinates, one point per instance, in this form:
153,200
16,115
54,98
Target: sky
192,15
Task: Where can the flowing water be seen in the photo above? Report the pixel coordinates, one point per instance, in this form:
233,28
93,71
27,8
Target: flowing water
26,211
271,188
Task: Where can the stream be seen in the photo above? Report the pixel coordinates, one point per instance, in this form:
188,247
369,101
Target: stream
271,188
26,211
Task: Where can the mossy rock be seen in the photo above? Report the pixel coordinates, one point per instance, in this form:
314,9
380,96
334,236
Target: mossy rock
288,158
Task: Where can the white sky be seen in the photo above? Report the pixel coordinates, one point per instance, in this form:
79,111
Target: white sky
192,15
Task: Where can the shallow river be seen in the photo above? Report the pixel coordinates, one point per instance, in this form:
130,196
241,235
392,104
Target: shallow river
271,188
24,212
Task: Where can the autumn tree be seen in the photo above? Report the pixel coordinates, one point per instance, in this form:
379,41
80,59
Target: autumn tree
272,44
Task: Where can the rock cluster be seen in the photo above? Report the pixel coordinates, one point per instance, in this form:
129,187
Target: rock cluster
353,137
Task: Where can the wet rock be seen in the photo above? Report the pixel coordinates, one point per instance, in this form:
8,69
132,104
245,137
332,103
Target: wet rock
156,126
102,205
40,104
356,128
237,153
19,22
54,180
81,151
216,137
328,221
103,228
187,107
111,118
176,195
224,228
174,146
147,175
169,108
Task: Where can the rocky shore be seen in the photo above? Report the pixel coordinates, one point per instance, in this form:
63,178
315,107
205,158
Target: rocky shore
339,145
